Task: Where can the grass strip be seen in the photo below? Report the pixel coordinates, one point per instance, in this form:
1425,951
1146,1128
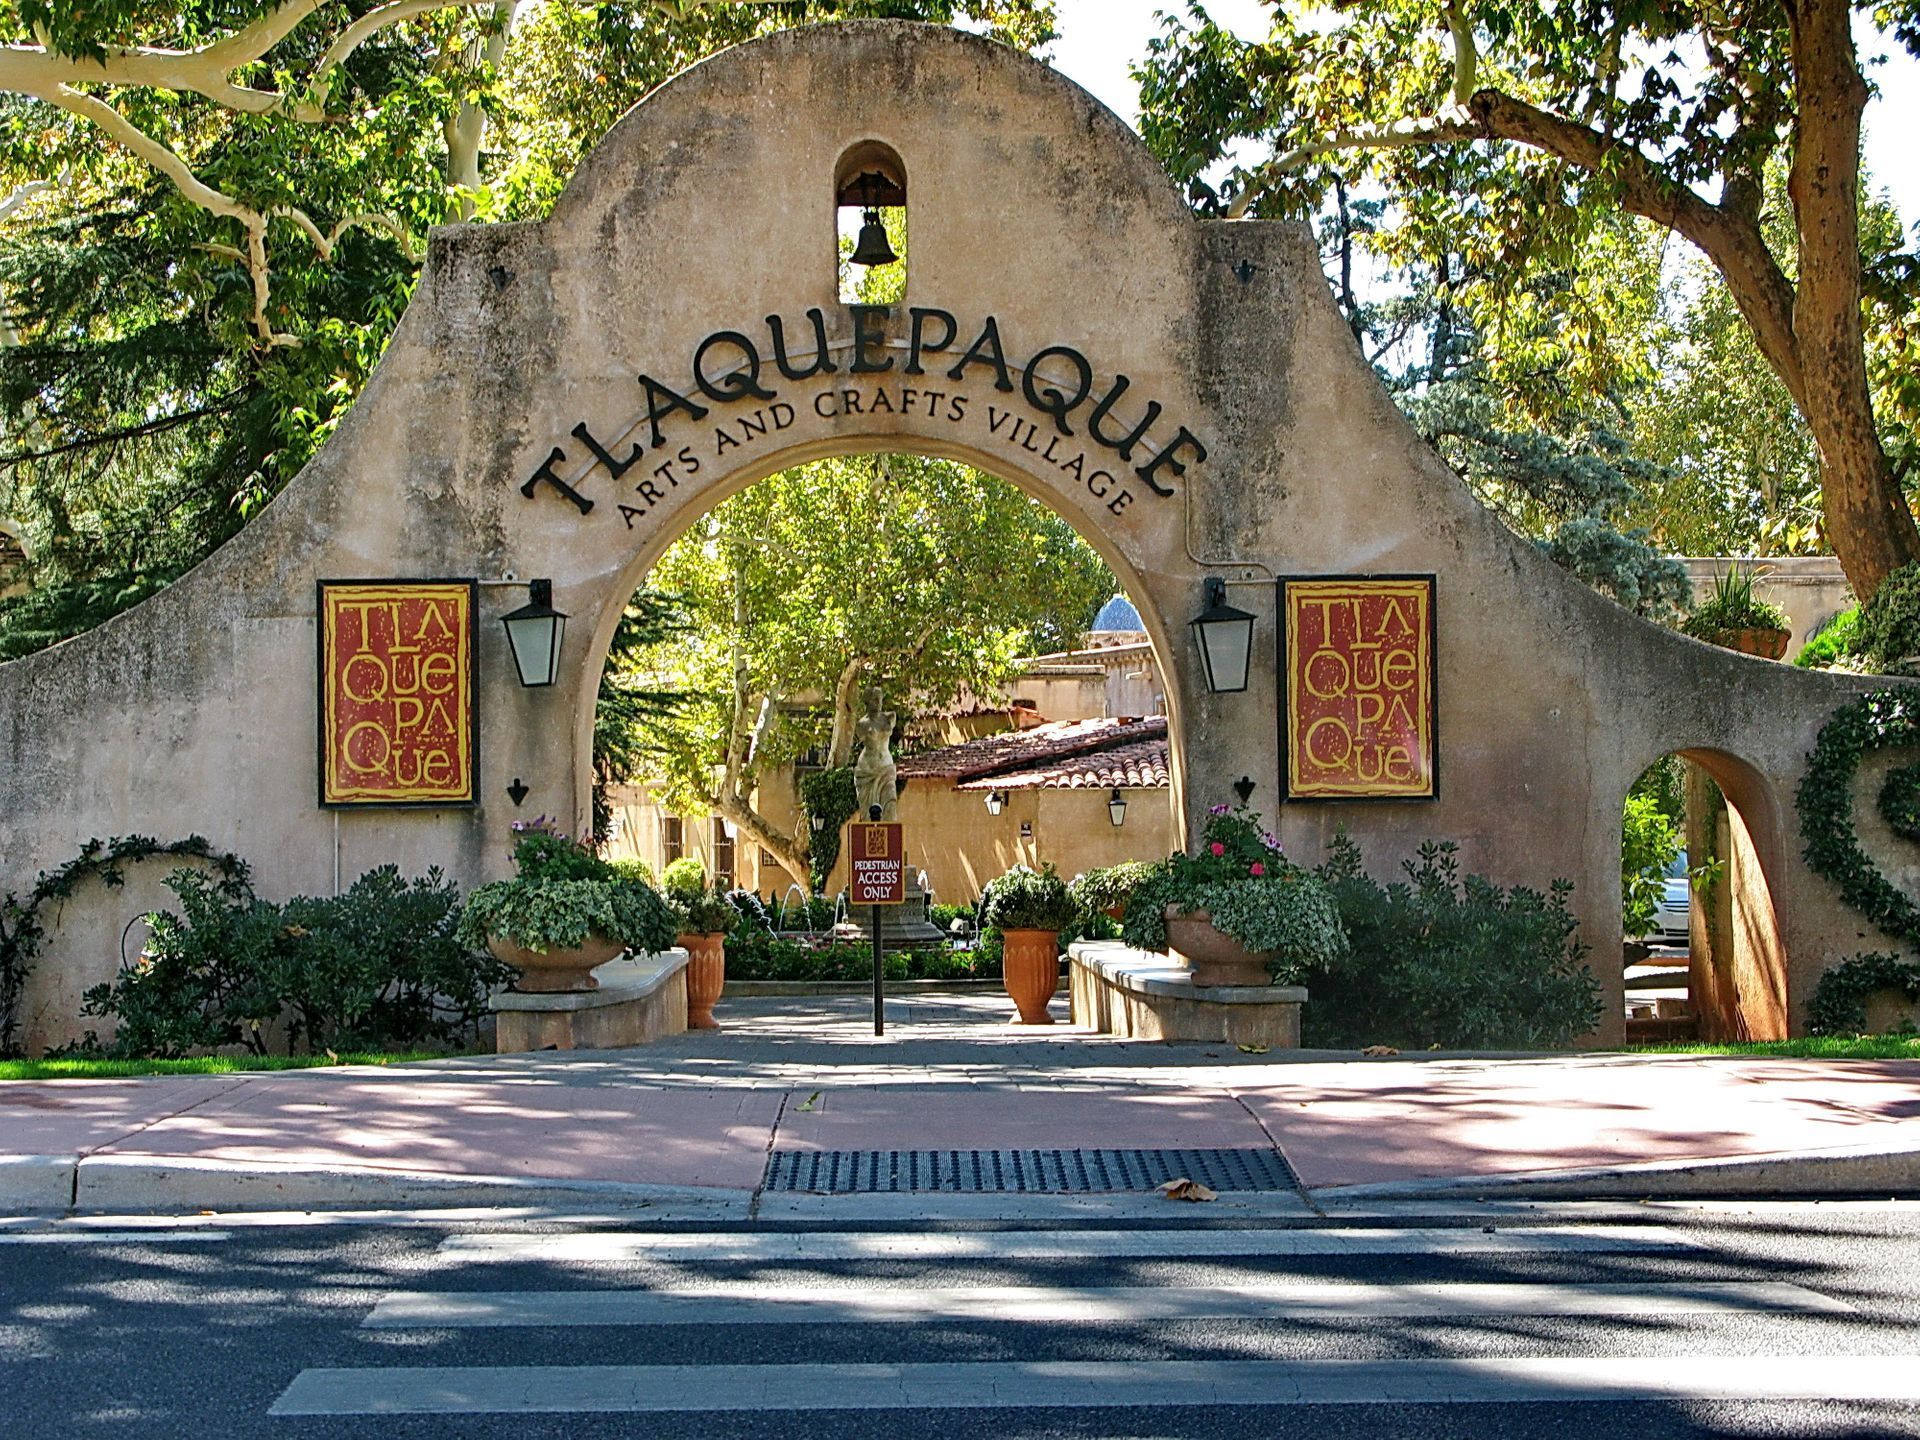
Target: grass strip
1813,1047
77,1069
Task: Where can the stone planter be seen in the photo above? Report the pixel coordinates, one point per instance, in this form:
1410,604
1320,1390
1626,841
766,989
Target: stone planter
1214,958
1768,644
1030,968
706,977
551,970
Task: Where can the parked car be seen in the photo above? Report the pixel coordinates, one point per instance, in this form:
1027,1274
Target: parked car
1675,905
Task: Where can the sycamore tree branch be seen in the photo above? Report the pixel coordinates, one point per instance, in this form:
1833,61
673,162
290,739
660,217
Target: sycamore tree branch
1446,124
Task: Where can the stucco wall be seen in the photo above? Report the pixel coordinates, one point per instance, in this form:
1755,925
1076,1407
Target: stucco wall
710,207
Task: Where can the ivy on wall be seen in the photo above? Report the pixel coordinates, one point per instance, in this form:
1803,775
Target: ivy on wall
103,860
827,796
1883,720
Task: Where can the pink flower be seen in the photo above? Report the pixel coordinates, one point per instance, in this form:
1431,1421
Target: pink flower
1256,868
1217,848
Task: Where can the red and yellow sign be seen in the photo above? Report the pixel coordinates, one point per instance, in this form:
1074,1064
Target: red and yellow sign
1360,681
878,855
396,692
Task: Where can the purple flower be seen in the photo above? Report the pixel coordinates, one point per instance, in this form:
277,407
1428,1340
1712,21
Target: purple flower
1216,810
1270,840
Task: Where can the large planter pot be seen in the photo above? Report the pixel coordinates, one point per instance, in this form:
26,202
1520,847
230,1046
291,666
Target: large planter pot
706,977
1030,969
1214,958
545,970
1768,644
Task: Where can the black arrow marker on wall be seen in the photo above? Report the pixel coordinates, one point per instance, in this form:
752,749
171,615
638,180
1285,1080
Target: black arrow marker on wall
517,791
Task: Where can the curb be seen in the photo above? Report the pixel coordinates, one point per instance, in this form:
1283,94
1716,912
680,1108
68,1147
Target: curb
1847,1170
37,1182
119,1184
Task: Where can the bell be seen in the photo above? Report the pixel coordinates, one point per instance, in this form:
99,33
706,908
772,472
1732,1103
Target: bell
872,247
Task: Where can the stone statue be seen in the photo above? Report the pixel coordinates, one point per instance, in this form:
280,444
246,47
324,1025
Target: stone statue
873,772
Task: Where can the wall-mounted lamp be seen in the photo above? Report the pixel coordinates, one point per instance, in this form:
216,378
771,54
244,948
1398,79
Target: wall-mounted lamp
996,802
816,823
534,633
1243,787
1117,808
1226,639
729,829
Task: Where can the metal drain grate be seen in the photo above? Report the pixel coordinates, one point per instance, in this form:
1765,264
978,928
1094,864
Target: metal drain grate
1028,1172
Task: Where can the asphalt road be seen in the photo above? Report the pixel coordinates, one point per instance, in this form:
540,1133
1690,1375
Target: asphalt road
229,1329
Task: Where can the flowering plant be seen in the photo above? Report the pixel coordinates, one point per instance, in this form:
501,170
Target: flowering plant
1239,878
562,893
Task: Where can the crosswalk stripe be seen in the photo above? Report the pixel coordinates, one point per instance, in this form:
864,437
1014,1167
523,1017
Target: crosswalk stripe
1079,1384
747,1304
612,1246
112,1237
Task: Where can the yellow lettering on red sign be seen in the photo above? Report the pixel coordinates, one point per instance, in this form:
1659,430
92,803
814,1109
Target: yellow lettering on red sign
396,702
1360,713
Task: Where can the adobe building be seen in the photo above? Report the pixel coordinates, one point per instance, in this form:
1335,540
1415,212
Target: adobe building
564,397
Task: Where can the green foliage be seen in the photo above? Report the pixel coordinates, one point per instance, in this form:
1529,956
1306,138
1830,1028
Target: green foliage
1835,641
563,892
1439,961
828,796
1734,606
1649,843
697,908
1839,1001
625,702
758,956
634,868
1883,720
1252,892
376,966
1889,627
104,860
1111,887
1024,899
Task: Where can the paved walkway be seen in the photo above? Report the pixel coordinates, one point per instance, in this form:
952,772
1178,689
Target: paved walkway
703,1110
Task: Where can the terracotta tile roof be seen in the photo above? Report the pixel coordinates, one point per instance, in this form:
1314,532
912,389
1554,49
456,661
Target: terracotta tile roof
1068,753
1141,765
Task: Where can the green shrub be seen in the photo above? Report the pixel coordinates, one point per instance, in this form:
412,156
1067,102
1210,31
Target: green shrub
633,868
1110,888
684,878
1734,606
1889,626
563,893
1838,639
1649,843
377,967
764,957
1438,961
1025,899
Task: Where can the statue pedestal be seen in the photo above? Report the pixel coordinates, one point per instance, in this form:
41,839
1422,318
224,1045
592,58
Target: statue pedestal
902,927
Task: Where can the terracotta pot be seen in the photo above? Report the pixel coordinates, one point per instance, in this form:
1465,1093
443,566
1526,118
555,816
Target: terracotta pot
1767,644
1214,958
1030,968
544,970
706,977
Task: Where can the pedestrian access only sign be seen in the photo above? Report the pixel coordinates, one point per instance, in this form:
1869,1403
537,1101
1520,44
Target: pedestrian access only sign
879,863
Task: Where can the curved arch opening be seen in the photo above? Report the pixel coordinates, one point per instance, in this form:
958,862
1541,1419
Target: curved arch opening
1070,763
1706,954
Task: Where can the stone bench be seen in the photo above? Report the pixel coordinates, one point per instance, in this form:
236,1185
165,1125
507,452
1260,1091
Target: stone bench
641,998
1145,996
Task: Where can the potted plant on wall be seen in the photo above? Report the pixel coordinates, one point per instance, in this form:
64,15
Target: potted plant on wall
1029,908
1106,891
1236,911
565,911
704,917
1735,618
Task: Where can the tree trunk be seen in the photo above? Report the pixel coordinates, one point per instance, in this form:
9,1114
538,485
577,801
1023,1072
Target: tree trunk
1868,523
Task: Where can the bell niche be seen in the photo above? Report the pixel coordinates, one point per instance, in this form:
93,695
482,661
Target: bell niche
870,225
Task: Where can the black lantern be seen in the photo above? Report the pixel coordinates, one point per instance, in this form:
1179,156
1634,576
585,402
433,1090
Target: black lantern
1117,808
1226,639
816,823
535,631
996,802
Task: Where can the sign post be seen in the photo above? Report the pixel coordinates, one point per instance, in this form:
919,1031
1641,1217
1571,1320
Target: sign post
878,874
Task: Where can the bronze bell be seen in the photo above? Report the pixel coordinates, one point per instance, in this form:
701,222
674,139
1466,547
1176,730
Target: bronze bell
872,247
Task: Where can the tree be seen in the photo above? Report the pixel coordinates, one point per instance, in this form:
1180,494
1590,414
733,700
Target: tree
1583,111
211,218
923,576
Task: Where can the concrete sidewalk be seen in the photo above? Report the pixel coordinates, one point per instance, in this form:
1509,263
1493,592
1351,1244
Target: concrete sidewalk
693,1119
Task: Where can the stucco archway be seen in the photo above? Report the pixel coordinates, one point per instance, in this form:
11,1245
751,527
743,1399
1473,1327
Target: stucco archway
509,431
